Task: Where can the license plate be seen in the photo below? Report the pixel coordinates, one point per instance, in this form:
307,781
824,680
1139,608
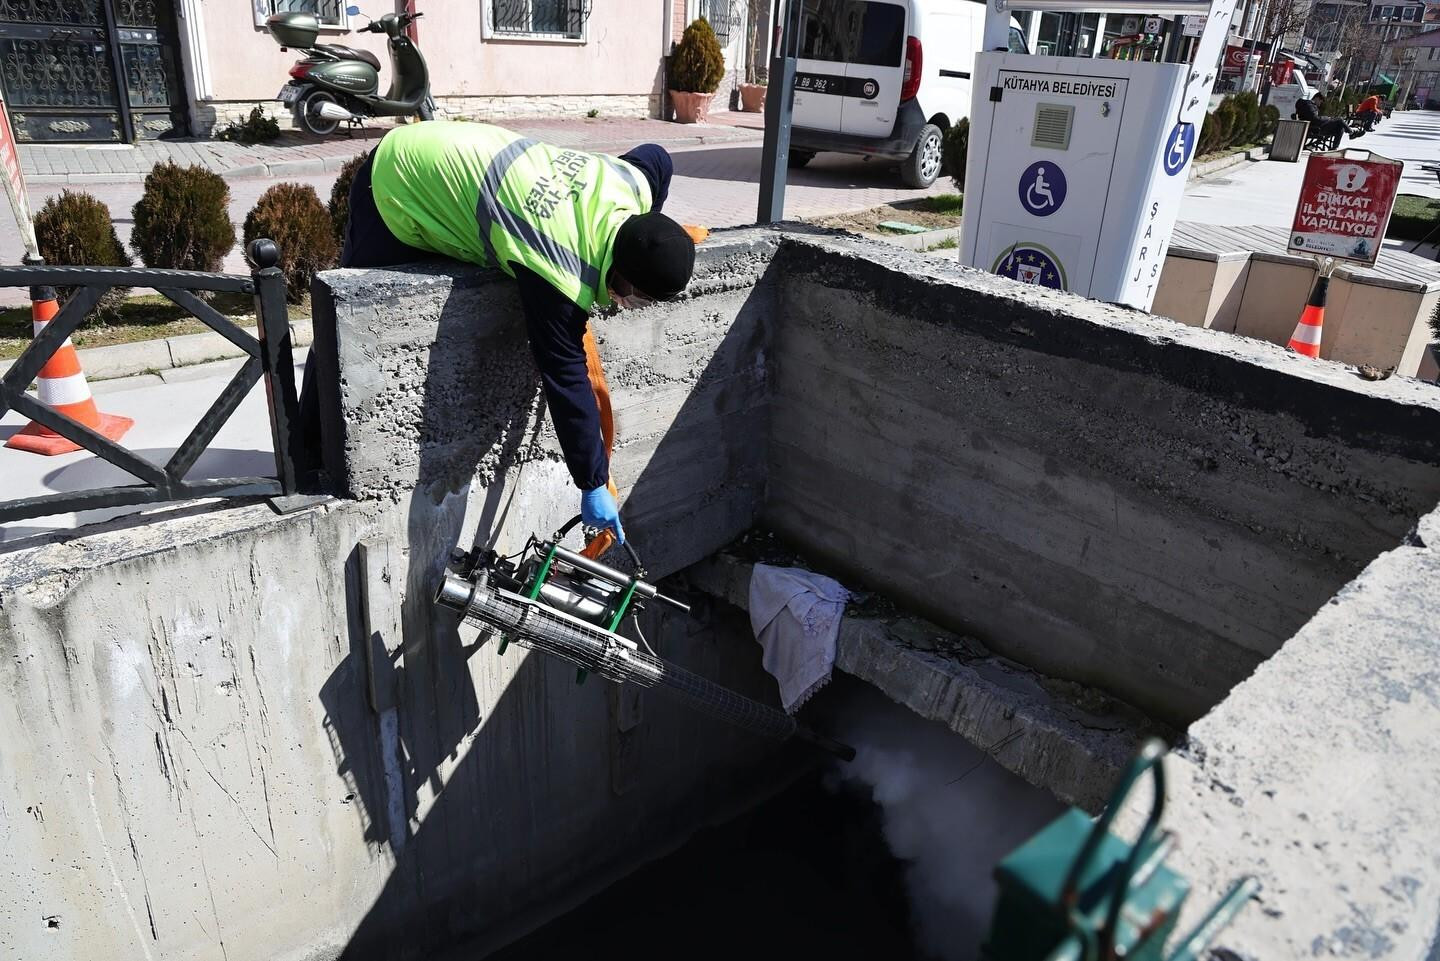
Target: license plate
288,93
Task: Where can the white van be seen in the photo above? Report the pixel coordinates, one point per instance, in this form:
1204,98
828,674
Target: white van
886,78
1283,97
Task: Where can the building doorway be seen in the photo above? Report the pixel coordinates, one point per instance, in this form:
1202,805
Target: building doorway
91,71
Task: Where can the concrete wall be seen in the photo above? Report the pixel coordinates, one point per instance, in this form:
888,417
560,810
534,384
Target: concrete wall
249,736
1115,500
1317,775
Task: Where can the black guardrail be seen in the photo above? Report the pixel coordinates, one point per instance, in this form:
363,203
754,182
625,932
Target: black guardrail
269,358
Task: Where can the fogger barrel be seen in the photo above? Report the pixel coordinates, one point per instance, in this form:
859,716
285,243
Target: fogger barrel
540,628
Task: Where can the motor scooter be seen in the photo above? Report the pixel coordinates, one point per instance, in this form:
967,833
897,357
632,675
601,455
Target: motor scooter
335,83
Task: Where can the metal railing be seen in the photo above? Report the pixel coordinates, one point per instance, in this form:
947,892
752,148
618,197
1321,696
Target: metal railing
268,358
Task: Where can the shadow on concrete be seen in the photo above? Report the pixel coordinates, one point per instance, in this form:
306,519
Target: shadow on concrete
496,821
93,473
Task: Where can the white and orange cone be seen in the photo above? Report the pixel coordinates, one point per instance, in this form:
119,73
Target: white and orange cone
63,388
1306,339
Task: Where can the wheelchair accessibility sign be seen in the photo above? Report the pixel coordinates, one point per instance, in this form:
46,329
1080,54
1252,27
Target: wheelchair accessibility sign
1042,188
1178,147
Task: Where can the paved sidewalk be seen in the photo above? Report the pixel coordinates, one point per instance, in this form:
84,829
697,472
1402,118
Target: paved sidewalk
1265,193
297,154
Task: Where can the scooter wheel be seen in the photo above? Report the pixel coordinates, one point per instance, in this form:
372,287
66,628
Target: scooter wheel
308,113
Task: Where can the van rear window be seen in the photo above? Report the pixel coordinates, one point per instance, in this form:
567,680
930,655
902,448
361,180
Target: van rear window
853,31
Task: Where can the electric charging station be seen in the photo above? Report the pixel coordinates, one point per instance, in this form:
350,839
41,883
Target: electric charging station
1077,165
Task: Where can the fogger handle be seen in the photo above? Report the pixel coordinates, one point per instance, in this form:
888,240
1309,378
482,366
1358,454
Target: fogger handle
605,572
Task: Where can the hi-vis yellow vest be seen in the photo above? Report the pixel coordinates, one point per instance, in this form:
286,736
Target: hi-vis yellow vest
488,196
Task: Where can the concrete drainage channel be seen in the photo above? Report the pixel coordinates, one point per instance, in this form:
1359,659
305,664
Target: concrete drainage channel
1076,524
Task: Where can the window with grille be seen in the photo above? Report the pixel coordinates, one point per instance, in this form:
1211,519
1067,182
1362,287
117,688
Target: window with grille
330,13
548,19
726,18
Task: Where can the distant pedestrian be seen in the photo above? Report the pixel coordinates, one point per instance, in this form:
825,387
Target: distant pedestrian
1369,111
1329,129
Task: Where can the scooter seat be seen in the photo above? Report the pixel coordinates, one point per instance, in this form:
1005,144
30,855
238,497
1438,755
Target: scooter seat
349,53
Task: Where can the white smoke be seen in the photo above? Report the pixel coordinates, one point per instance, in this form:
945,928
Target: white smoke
950,812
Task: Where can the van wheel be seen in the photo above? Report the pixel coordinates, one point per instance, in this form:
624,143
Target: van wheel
799,158
923,165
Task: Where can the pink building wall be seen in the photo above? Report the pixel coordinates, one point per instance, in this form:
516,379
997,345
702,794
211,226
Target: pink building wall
617,67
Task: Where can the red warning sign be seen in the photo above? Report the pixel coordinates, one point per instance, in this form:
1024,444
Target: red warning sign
1345,206
15,183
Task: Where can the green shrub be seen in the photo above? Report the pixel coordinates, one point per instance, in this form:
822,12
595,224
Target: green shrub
1247,118
74,230
182,220
292,215
955,152
698,63
256,128
1211,133
1269,121
1227,119
340,197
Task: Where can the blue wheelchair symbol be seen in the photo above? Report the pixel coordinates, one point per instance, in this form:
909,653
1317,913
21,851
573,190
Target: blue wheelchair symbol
1042,188
1178,147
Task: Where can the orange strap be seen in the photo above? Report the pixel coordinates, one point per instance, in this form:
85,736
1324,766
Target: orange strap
596,371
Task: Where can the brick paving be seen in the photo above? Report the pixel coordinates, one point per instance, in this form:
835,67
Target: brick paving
716,184
297,153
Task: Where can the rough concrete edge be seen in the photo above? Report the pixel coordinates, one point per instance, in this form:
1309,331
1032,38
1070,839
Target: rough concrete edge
983,698
45,568
169,353
1121,337
712,274
1232,784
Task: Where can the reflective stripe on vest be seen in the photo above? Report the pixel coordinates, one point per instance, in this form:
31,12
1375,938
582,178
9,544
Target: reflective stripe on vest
490,211
486,195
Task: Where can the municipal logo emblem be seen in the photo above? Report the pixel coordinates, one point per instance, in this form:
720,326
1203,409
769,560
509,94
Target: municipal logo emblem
1031,264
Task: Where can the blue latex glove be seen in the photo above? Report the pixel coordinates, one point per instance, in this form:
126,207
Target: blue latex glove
598,509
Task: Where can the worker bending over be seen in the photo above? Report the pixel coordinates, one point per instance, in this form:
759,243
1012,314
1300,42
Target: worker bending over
576,230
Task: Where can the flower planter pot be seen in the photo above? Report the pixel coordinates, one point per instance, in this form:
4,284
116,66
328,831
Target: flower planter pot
752,97
691,107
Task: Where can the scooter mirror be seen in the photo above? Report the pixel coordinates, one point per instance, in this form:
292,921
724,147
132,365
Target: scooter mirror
352,11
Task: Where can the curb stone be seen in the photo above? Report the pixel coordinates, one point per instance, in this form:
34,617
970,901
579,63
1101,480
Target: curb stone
919,241
171,353
1199,171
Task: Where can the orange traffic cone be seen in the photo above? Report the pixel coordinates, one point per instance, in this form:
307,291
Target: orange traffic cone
1306,339
63,388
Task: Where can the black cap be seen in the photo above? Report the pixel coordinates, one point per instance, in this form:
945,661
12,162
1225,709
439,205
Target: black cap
655,254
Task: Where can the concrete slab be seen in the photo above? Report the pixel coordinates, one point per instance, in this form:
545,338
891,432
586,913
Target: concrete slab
102,388
1070,740
205,371
164,414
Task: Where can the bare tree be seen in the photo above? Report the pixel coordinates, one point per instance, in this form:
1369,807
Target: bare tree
1282,19
1358,44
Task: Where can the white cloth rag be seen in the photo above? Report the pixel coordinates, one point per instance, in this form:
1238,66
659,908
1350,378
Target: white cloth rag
796,616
